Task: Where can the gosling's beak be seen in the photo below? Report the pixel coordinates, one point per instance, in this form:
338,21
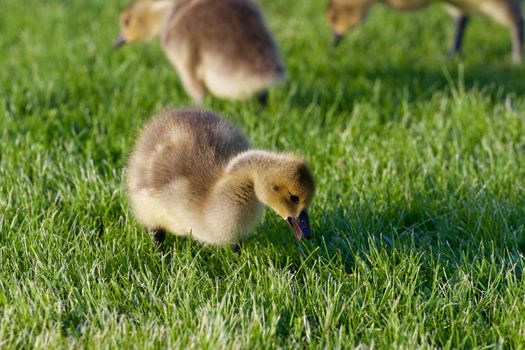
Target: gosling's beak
300,226
119,41
336,39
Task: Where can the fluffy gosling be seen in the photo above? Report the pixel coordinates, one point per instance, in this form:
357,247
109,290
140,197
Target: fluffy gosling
193,173
220,46
343,15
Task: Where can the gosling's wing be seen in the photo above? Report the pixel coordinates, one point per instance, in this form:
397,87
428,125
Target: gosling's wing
204,26
188,145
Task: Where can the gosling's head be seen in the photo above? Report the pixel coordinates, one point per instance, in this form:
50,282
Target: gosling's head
287,186
344,15
140,21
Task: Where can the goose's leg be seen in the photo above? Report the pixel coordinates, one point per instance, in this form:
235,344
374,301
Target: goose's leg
262,97
194,87
508,13
186,61
236,248
516,29
159,235
461,22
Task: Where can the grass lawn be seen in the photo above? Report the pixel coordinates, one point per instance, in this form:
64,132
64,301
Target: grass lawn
419,221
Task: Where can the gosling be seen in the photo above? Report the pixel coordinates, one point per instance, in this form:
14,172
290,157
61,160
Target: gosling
217,46
193,173
343,15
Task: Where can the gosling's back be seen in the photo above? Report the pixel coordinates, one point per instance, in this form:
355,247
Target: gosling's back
183,145
229,29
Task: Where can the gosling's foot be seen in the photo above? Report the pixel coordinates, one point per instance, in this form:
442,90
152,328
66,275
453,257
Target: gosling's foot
159,235
263,99
236,248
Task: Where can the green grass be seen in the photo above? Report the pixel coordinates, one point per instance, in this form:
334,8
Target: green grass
419,222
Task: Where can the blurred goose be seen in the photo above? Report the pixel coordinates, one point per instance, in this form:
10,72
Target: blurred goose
193,173
343,15
220,46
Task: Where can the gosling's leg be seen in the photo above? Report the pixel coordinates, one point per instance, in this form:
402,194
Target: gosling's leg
461,22
236,248
263,99
187,65
159,235
193,85
517,39
508,13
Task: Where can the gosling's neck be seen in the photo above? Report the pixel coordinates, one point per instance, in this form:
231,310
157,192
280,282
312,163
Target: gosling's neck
232,206
159,12
252,161
248,170
237,183
237,187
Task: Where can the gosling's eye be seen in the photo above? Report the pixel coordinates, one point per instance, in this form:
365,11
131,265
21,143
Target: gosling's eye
275,188
126,22
294,198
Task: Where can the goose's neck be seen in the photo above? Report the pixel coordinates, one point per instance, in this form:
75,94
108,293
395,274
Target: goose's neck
160,11
251,162
233,205
239,181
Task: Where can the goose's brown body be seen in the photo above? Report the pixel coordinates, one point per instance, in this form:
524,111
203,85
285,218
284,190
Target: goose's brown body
343,15
193,172
220,46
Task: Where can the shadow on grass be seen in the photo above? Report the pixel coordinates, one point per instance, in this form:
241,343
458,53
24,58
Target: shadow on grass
394,84
450,232
431,225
